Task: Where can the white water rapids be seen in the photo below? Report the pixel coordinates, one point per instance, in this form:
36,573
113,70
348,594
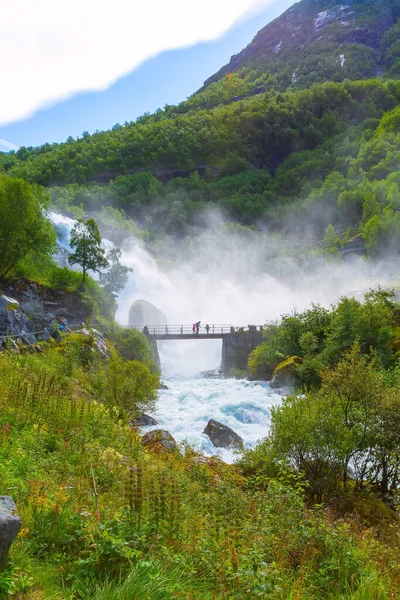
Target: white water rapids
223,278
186,407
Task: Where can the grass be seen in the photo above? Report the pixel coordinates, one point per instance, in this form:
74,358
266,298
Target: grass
146,581
104,518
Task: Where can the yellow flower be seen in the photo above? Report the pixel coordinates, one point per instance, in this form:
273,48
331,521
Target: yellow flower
24,532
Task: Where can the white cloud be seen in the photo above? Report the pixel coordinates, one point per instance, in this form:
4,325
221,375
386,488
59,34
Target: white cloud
6,146
53,49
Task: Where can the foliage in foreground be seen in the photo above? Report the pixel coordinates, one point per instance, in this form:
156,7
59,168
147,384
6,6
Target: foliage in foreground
343,437
104,518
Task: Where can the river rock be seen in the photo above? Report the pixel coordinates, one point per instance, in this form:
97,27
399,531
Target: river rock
285,373
143,313
10,524
222,436
159,440
143,420
283,379
213,374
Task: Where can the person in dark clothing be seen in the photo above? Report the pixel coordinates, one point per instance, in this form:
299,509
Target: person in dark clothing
207,328
197,327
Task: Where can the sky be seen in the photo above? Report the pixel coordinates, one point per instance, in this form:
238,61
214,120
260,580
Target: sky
65,75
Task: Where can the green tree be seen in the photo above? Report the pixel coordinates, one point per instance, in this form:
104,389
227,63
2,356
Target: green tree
85,238
24,229
115,279
331,242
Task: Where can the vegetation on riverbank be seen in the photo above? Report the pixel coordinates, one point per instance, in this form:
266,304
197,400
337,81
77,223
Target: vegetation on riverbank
318,337
340,429
104,517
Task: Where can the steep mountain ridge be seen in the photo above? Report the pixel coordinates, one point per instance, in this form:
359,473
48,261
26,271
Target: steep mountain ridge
317,40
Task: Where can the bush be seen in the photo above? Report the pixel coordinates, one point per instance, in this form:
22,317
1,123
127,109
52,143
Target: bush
132,344
126,385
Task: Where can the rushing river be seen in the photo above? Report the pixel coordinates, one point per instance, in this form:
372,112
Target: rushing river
188,404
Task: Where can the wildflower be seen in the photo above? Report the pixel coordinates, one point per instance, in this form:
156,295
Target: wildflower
24,532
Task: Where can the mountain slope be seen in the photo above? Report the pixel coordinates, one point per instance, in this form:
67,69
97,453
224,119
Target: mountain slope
313,41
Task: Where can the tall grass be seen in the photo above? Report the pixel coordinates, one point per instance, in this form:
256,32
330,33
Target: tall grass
147,581
103,518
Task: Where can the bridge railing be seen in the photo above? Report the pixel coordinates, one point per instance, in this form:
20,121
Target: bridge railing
188,329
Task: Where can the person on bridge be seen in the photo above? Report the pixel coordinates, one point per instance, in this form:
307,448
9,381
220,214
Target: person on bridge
197,327
194,328
207,328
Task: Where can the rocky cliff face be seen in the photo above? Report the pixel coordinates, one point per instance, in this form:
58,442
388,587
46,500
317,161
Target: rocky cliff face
318,40
26,308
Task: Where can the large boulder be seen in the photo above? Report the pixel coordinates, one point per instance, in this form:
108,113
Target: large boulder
10,524
143,313
285,373
222,436
159,440
283,379
143,420
29,307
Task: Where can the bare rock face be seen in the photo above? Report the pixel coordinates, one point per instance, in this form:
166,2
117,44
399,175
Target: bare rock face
10,525
143,313
27,309
222,436
159,440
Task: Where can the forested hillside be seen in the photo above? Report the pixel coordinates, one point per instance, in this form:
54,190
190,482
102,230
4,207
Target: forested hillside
300,129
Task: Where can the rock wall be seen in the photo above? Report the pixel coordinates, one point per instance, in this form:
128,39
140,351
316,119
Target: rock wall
26,308
236,348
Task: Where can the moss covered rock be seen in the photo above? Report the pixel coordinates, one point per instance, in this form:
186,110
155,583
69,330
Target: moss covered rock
159,440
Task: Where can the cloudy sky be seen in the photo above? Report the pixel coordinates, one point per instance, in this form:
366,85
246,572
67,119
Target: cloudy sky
84,65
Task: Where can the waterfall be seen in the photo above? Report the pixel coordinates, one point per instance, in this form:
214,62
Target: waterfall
218,278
